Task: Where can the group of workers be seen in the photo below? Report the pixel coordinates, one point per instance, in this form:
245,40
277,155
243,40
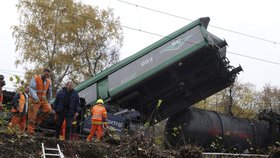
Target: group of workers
32,106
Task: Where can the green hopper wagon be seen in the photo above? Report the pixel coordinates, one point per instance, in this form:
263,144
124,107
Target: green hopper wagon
166,77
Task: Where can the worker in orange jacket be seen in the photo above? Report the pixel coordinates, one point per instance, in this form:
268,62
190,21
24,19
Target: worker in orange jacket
40,93
99,120
19,110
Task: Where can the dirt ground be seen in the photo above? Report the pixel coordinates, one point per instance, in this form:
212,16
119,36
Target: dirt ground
13,145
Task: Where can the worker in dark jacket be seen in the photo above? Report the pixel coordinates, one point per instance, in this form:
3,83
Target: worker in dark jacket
66,106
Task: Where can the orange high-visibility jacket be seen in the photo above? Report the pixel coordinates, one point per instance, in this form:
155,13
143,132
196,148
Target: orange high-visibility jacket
22,101
99,114
41,89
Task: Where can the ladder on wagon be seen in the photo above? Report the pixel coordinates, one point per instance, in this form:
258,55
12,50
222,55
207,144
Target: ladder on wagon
52,152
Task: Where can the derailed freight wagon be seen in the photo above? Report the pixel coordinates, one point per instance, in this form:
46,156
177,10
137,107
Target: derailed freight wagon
180,69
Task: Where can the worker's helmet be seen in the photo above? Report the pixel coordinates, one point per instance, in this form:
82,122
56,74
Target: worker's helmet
99,101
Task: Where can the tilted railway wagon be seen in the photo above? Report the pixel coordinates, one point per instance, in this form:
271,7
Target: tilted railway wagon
179,70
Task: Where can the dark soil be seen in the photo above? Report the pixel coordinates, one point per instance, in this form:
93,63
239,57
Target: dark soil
13,145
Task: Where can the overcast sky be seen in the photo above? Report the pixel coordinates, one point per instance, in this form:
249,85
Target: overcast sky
256,18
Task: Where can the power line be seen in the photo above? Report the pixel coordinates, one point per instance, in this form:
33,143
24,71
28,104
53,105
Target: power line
8,70
9,88
180,17
246,56
11,74
176,16
154,10
251,36
135,29
238,54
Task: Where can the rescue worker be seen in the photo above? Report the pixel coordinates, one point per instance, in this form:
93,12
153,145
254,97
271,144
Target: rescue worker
63,130
19,110
67,106
2,83
40,93
99,120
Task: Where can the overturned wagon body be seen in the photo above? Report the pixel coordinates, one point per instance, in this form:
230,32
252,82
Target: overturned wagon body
163,79
181,69
216,131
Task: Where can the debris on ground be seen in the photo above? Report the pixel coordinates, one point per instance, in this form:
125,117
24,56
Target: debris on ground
136,146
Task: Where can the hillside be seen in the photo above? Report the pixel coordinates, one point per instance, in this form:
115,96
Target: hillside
24,146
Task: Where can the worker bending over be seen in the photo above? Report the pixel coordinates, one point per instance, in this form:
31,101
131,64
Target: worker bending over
99,120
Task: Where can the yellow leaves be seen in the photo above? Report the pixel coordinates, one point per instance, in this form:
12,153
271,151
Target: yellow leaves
32,30
244,100
159,103
146,125
18,83
11,79
62,58
176,130
67,35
